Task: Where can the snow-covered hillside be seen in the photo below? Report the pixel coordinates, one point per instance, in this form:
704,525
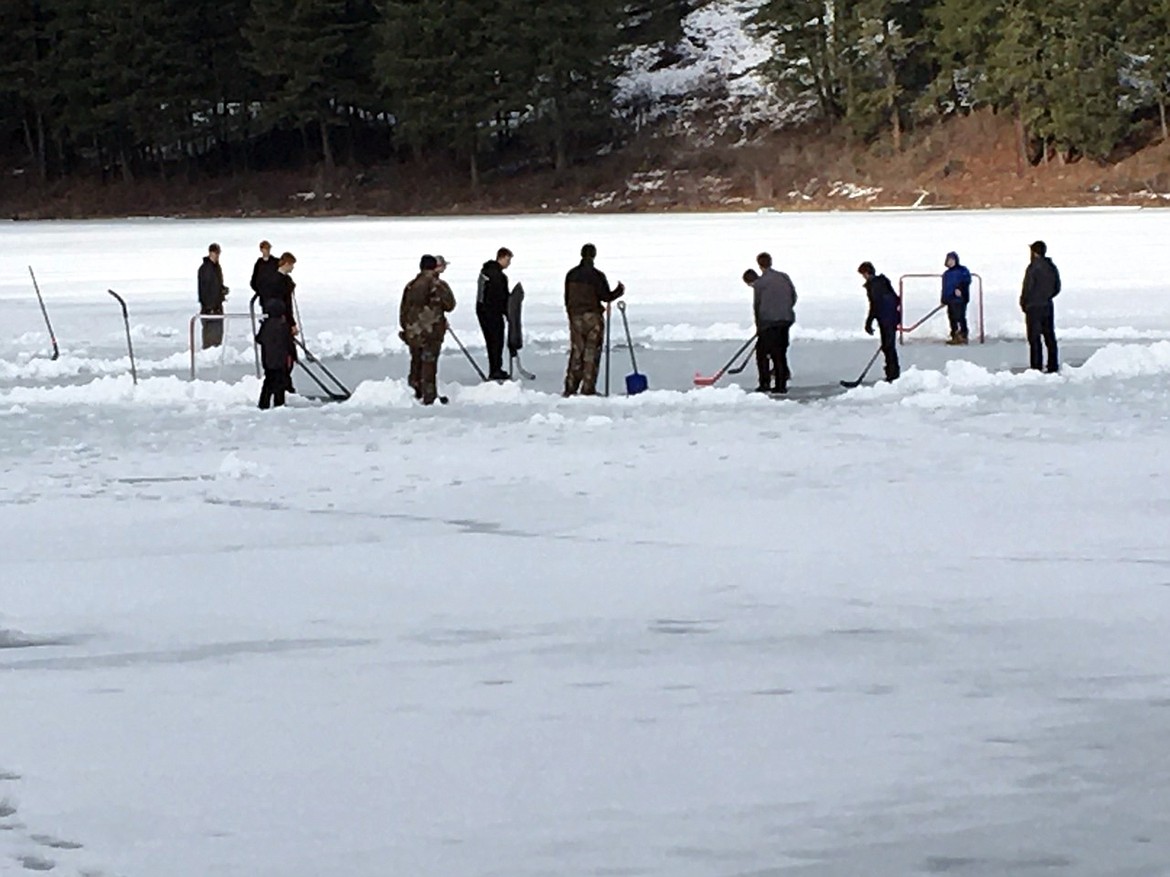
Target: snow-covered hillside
714,77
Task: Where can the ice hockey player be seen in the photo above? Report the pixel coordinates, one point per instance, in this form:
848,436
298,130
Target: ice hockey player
774,306
587,292
265,266
422,315
277,354
886,309
956,295
1041,286
491,307
212,293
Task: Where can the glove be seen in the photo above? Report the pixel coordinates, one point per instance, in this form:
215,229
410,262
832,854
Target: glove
869,327
619,290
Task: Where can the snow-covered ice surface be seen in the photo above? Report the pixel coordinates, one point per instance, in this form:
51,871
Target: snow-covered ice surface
906,629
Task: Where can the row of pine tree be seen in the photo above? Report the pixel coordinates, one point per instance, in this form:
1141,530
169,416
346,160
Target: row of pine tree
131,87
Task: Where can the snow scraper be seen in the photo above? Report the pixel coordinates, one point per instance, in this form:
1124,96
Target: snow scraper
516,334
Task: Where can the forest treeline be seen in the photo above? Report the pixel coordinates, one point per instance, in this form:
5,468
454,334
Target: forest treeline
127,88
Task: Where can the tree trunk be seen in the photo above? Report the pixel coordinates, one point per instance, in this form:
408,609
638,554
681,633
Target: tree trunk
1162,116
127,170
474,168
897,121
28,140
326,148
42,153
1021,143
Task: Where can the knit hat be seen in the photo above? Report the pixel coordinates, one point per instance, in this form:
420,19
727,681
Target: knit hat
1039,248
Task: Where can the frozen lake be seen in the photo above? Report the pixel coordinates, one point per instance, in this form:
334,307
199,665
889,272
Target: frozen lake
908,629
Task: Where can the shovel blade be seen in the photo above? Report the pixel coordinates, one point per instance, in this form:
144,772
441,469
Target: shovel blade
636,383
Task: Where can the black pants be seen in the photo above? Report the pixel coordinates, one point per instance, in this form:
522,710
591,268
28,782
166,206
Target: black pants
889,336
1041,324
772,356
957,314
276,382
492,325
212,329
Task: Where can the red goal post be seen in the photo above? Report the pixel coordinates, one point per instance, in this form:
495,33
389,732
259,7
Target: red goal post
905,328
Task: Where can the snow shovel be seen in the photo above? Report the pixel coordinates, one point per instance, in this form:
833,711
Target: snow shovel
635,383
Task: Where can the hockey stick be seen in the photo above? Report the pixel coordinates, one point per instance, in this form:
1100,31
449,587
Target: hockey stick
849,385
707,381
129,343
739,368
45,314
474,364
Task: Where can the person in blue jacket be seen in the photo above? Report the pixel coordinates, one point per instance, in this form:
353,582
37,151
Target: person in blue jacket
956,295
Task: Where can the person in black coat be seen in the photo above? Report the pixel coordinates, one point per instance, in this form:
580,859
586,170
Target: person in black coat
265,267
885,308
212,293
491,307
278,286
277,354
1041,286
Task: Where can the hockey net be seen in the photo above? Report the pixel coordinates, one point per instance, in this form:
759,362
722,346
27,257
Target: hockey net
922,317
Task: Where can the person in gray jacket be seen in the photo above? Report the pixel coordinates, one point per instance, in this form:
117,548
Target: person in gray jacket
1041,286
775,311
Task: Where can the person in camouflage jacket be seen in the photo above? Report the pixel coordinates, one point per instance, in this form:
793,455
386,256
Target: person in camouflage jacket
426,301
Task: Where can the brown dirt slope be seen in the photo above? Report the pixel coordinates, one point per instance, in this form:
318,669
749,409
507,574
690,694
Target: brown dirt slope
965,162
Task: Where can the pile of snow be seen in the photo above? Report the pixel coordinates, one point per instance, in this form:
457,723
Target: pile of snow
158,392
41,368
1125,361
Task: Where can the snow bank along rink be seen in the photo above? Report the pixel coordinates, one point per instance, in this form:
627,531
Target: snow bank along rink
916,628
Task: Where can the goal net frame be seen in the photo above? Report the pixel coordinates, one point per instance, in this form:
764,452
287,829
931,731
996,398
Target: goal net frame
905,328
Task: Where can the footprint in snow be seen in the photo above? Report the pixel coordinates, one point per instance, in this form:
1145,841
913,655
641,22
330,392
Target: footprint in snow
54,843
36,863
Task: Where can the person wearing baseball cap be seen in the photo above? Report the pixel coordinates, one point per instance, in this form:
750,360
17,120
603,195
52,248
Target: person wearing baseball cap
212,293
422,316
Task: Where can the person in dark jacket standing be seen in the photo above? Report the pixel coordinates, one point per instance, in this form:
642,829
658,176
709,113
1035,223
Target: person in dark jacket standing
886,309
956,295
1041,286
212,293
491,307
774,306
277,354
278,285
587,292
265,267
